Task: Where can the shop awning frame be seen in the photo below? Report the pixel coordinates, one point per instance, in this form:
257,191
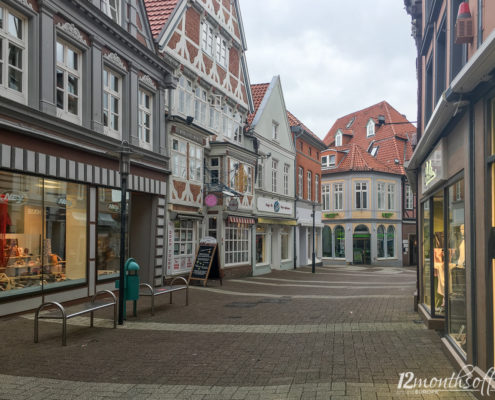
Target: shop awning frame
241,220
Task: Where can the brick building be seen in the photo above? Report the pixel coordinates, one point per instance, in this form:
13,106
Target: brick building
308,193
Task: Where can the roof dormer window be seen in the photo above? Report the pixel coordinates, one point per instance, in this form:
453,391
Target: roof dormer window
338,138
370,128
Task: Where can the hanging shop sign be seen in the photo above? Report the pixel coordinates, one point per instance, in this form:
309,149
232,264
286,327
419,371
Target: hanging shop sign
233,205
211,200
433,169
275,206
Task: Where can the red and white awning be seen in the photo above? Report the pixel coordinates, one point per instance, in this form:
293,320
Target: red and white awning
241,220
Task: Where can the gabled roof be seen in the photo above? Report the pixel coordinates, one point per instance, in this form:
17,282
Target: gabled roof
159,11
258,92
293,121
392,139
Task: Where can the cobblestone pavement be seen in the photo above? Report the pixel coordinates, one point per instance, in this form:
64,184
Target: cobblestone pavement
345,332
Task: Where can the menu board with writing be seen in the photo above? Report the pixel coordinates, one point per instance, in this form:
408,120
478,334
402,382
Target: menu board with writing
206,262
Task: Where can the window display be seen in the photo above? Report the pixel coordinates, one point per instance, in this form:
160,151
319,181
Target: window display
426,255
237,238
42,234
339,242
438,253
327,241
457,265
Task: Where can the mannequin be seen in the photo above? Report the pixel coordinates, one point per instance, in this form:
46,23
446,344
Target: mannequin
461,260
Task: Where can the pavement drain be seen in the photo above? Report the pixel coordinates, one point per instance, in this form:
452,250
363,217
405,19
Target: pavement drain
237,304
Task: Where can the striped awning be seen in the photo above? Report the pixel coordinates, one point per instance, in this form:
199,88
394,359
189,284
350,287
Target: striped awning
241,220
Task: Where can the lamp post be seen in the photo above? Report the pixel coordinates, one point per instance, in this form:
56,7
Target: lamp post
313,259
125,166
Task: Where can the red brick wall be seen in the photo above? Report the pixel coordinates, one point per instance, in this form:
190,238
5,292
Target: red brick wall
308,157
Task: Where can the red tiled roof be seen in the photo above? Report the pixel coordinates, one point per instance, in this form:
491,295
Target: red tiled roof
392,140
258,92
159,11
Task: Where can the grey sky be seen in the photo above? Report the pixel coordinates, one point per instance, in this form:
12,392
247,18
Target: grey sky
334,57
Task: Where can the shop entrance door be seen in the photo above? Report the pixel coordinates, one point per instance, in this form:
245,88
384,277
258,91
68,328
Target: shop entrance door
361,245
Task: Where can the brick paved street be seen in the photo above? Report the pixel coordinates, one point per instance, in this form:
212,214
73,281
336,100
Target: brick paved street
343,333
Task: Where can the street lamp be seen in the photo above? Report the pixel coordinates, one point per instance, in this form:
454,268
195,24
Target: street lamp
313,259
125,166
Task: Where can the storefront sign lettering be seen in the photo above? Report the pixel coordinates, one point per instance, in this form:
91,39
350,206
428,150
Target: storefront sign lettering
433,169
274,206
114,207
64,202
13,198
429,172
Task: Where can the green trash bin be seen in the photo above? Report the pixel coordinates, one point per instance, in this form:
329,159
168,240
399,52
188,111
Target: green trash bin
131,284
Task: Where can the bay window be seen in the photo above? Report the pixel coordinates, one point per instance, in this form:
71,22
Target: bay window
195,162
179,158
361,195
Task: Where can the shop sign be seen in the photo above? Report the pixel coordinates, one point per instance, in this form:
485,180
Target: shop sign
233,205
211,200
114,207
274,206
64,202
433,169
13,198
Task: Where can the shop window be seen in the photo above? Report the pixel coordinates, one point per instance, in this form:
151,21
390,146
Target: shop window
339,242
42,234
237,248
13,54
69,85
380,237
457,265
426,254
108,233
438,253
284,238
212,227
391,242
327,241
261,250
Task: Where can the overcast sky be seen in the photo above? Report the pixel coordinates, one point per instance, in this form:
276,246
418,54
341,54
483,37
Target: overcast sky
334,57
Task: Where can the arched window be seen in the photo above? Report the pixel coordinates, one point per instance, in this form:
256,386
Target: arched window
391,241
380,236
327,241
370,128
338,138
339,242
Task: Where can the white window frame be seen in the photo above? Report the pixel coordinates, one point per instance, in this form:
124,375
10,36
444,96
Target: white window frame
144,111
274,175
317,188
338,196
331,160
200,106
237,244
78,74
215,112
195,162
324,161
207,38
184,239
370,128
221,51
325,197
361,192
185,97
110,93
380,190
391,196
300,188
7,38
286,179
179,158
108,8
259,181
338,139
409,198
309,184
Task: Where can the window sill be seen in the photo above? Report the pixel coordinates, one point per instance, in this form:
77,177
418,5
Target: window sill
114,134
13,95
75,119
146,146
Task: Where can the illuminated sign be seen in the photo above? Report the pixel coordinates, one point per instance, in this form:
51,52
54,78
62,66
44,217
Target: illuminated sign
433,169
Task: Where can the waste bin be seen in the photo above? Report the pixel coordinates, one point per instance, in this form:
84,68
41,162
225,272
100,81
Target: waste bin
131,283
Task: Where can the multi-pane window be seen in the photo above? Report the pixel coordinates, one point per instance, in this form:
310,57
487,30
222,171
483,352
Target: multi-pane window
338,139
300,179
112,9
13,50
231,124
390,196
338,196
409,198
361,195
183,238
380,238
324,161
68,82
195,162
214,170
391,242
339,242
200,105
331,161
215,112
317,188
286,178
309,184
237,243
221,51
179,158
145,119
274,175
370,128
259,182
185,93
325,197
206,38
381,195
112,107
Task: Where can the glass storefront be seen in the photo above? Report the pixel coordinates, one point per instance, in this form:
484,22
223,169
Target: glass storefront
438,254
339,242
493,213
426,255
108,234
327,241
237,239
456,255
43,237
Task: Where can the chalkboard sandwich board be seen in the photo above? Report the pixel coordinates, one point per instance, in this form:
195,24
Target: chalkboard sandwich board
206,263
